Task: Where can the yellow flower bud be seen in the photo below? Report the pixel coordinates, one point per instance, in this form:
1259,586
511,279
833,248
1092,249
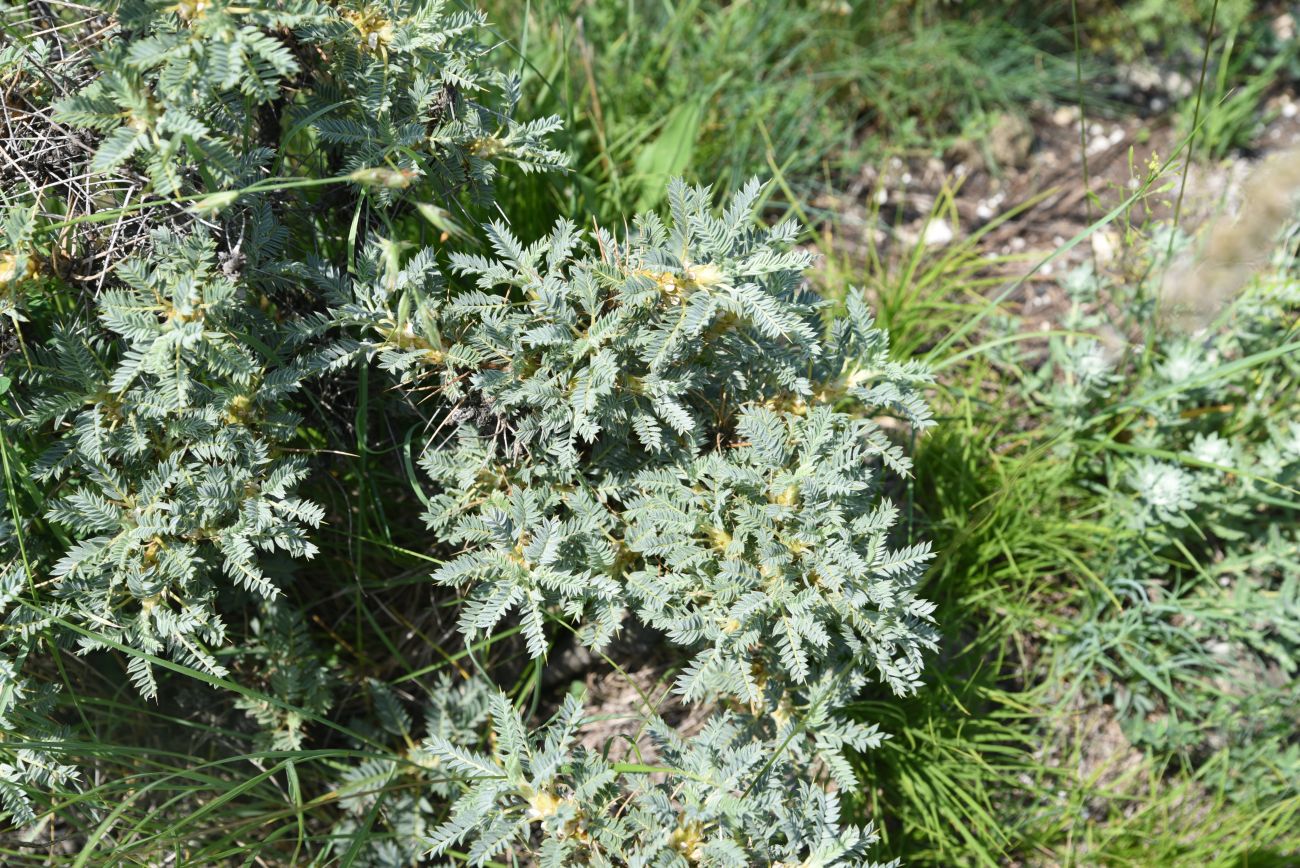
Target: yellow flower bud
704,276
543,804
379,176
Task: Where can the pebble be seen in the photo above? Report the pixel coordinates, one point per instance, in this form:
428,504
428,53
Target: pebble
937,233
1178,84
1141,76
1065,115
1103,247
1284,27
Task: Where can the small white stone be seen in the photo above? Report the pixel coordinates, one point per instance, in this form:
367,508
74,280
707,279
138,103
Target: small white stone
1178,84
1289,110
937,233
1103,247
1284,27
1065,115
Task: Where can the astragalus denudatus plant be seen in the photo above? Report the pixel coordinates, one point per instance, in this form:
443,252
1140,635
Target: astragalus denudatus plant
245,218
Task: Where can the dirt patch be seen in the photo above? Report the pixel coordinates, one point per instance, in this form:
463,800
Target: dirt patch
623,687
619,704
1037,183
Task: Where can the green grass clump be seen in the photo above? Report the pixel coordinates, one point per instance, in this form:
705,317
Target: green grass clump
722,91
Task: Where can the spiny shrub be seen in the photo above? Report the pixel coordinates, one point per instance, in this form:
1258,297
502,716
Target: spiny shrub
649,427
662,425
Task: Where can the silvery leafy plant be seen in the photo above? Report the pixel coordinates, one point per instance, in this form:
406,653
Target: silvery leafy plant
657,428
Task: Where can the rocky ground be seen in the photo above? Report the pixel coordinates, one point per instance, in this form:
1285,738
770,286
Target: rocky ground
1038,181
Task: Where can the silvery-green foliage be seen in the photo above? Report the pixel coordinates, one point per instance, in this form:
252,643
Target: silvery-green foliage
163,469
663,423
1080,368
574,339
289,667
30,760
387,310
593,455
398,84
1196,637
456,716
526,781
393,834
667,425
406,85
456,711
167,407
166,392
781,818
647,340
727,801
773,555
175,93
